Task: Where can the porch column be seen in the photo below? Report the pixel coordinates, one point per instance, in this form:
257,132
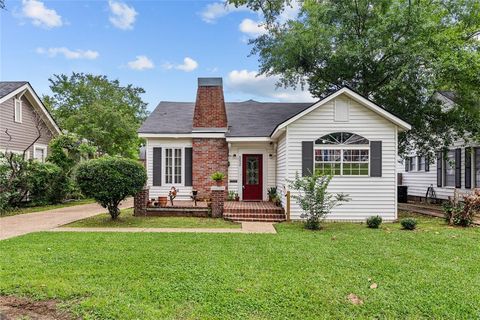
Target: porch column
140,202
218,200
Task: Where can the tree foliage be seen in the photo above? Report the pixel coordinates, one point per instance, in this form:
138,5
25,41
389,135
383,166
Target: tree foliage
99,110
67,150
395,52
312,196
109,180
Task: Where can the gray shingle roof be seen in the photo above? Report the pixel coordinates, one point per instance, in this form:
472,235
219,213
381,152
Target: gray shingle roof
448,94
8,86
249,118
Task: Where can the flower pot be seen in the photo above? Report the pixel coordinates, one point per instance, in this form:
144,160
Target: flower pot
237,198
218,182
163,201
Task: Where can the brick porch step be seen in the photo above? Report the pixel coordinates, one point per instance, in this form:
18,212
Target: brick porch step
254,217
253,211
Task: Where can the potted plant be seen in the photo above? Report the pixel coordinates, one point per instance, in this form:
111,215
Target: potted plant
231,196
237,198
162,201
272,193
218,177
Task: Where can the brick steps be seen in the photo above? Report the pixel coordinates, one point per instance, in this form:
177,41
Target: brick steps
255,217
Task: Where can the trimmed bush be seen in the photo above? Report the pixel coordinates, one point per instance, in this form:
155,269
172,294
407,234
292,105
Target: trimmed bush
47,183
374,222
109,180
409,224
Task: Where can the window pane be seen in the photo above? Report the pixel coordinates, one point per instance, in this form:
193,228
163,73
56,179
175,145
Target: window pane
39,154
168,166
178,165
450,169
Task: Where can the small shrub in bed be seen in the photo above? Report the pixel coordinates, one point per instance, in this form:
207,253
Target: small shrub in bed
374,222
409,224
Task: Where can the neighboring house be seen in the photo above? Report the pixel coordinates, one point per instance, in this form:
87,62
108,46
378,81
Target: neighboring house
25,123
262,145
459,169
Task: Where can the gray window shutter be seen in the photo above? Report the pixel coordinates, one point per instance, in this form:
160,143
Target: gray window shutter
407,164
157,166
307,158
188,167
458,168
439,169
468,168
375,158
427,163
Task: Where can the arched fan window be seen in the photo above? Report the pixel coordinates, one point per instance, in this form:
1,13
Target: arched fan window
342,154
342,138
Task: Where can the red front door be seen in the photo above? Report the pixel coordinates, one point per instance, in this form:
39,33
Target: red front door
252,167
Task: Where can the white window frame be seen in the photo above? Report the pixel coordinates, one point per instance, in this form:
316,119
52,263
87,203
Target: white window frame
18,118
40,147
164,166
419,162
446,163
342,148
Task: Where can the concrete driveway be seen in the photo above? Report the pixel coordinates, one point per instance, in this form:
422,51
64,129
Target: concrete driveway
45,220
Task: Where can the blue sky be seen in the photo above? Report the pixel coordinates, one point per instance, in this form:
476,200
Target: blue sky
161,46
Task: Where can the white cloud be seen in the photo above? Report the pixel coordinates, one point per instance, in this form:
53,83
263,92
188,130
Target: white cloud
69,54
216,10
40,15
252,28
248,82
141,63
122,16
188,65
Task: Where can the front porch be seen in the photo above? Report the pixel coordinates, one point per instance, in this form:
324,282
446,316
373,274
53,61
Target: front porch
253,211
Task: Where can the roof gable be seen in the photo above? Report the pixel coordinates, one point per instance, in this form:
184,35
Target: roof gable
352,95
21,88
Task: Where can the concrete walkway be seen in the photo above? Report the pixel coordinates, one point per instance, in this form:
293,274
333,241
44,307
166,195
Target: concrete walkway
247,227
45,220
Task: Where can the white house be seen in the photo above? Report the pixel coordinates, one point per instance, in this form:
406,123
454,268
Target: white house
458,169
262,145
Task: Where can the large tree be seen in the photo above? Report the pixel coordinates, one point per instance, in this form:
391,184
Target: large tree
99,110
395,52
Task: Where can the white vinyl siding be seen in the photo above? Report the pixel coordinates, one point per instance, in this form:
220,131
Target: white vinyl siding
184,192
281,167
418,182
368,195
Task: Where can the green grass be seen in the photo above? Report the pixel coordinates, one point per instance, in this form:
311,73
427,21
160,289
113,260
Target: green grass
45,207
431,273
127,220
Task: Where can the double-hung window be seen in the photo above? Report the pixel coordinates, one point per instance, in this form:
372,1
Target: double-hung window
421,163
342,154
450,169
173,165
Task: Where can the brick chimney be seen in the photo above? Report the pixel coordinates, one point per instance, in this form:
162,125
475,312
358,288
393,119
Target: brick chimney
209,154
210,104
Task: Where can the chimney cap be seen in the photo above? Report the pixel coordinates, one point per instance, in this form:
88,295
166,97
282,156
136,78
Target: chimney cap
210,82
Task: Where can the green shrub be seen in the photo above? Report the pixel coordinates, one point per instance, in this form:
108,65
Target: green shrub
231,196
109,180
409,224
374,222
47,182
312,196
217,176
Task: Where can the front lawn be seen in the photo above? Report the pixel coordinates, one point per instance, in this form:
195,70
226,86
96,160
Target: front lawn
30,209
433,273
127,220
